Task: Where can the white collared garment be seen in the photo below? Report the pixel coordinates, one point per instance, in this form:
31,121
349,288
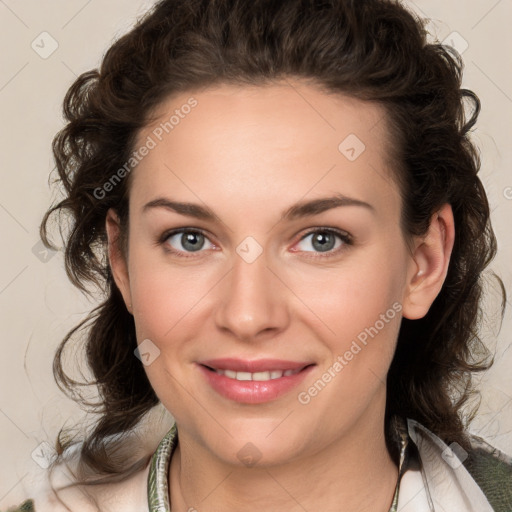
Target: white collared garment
442,484
432,478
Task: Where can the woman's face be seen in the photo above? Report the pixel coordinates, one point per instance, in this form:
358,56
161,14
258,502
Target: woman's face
270,284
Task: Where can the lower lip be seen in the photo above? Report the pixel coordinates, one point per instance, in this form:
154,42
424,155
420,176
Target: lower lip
253,391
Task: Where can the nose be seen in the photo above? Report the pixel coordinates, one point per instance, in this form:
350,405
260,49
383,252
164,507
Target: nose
254,300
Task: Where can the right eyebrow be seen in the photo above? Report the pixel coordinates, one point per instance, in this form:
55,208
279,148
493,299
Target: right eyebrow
188,209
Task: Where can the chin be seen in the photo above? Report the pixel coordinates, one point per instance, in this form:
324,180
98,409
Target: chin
257,443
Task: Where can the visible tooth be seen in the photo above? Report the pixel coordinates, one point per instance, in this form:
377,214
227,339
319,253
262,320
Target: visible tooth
261,376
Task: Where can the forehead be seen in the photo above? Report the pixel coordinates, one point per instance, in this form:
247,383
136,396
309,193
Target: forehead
285,139
292,109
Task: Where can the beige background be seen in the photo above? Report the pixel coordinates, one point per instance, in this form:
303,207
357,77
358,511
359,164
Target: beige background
38,305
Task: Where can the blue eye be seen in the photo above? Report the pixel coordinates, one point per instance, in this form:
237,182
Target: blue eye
191,240
324,240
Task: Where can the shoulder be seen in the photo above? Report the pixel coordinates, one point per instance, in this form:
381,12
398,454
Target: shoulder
54,489
492,471
480,473
26,506
57,493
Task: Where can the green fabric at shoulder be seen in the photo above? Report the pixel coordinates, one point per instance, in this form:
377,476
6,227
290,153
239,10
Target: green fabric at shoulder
492,471
26,506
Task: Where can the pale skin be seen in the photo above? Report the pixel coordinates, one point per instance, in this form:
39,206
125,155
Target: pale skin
248,154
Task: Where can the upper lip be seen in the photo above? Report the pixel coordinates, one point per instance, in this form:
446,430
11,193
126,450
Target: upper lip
259,365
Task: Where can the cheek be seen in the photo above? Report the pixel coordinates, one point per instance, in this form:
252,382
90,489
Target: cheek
359,308
360,315
167,298
160,299
351,297
165,304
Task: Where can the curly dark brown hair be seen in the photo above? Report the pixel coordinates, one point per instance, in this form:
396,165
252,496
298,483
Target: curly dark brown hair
373,50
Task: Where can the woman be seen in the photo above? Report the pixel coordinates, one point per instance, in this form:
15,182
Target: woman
281,202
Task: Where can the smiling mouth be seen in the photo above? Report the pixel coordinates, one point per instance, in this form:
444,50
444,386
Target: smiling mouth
254,381
258,376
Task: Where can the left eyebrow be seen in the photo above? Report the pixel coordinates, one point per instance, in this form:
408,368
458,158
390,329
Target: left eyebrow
317,206
296,211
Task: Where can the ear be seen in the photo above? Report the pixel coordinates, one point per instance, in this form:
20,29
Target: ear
117,258
431,258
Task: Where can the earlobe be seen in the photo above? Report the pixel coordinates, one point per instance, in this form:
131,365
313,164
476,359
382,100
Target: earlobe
431,258
117,258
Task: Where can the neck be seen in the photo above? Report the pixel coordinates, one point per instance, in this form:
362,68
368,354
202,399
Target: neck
354,473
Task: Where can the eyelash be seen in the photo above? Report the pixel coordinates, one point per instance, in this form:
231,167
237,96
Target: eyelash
345,237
